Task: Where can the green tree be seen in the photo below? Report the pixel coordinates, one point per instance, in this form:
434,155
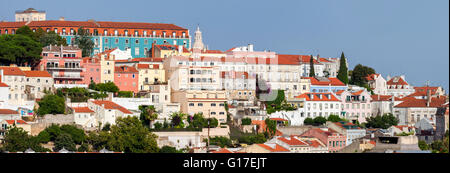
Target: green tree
106,127
44,137
253,139
51,104
246,121
168,149
77,134
343,70
52,38
84,148
423,145
130,136
308,121
312,73
18,140
334,118
148,113
220,141
359,75
19,49
271,127
26,31
177,120
84,42
319,120
64,141
126,94
98,140
158,126
384,122
107,87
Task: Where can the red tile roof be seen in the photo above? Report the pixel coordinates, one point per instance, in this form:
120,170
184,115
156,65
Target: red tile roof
324,60
339,92
125,69
16,122
372,77
278,119
8,111
213,51
170,47
397,81
381,97
412,102
316,97
292,141
37,74
12,71
358,93
3,85
82,110
332,81
277,148
111,105
94,24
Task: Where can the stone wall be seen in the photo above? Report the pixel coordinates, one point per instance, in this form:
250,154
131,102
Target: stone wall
47,120
294,130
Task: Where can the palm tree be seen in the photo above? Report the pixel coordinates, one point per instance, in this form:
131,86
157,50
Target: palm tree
151,114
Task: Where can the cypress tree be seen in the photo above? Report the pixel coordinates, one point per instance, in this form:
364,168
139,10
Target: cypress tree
343,71
311,67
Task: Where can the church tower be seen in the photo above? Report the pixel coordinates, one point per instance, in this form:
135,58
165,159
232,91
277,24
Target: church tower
198,42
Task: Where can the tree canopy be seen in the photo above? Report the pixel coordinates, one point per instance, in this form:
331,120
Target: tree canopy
359,75
51,104
343,70
84,42
17,140
19,49
312,73
384,122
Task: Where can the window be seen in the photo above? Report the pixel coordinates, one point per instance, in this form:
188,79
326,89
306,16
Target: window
191,104
117,41
213,104
126,41
200,104
137,41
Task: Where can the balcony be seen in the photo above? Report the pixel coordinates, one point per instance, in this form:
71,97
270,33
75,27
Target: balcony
68,77
65,68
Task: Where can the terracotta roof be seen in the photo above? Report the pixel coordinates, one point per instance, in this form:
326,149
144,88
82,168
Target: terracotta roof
125,69
316,97
12,71
3,85
425,88
8,111
94,24
292,141
278,119
372,77
331,80
381,97
339,92
82,110
277,148
324,60
358,93
16,122
170,47
213,51
314,143
397,81
111,105
347,125
412,102
37,74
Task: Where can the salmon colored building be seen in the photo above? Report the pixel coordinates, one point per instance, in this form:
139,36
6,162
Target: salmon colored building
91,70
126,78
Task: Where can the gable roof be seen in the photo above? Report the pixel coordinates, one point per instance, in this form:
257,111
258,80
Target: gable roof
397,80
111,105
412,102
372,77
292,141
12,71
37,74
125,69
16,122
330,81
82,110
275,148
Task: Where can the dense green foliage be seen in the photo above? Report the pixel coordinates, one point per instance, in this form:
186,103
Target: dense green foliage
125,94
105,87
220,141
384,122
51,38
343,70
177,120
19,49
198,121
334,118
246,121
74,94
148,114
52,132
168,149
51,104
18,140
64,141
253,139
271,127
359,75
423,145
316,121
278,104
84,42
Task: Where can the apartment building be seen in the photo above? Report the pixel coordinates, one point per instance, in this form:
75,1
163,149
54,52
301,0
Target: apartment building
210,103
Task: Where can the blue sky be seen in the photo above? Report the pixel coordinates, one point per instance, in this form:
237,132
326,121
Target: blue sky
395,37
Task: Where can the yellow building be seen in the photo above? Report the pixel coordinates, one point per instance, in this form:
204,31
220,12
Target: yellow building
150,74
164,51
208,102
107,65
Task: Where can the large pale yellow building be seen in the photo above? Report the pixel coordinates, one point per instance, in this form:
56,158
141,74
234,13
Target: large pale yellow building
210,103
150,74
165,51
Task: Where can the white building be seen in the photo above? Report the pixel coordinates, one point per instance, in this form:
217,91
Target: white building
350,130
398,87
30,14
377,83
412,110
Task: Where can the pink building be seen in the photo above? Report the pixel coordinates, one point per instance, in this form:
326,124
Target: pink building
355,105
91,70
329,137
63,63
126,78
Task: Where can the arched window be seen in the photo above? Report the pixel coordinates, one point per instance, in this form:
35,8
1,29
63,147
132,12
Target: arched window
105,32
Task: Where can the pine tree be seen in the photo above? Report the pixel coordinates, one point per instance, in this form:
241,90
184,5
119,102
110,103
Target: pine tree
343,71
312,73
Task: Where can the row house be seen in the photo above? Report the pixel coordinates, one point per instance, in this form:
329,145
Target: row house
332,139
63,63
377,84
350,130
37,82
398,87
15,78
384,104
137,37
126,78
356,105
318,104
209,103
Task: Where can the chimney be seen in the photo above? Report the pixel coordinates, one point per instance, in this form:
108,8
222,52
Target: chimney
61,19
180,49
250,47
428,97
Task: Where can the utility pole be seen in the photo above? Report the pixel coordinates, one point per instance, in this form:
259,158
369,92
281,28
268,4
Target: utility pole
209,119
